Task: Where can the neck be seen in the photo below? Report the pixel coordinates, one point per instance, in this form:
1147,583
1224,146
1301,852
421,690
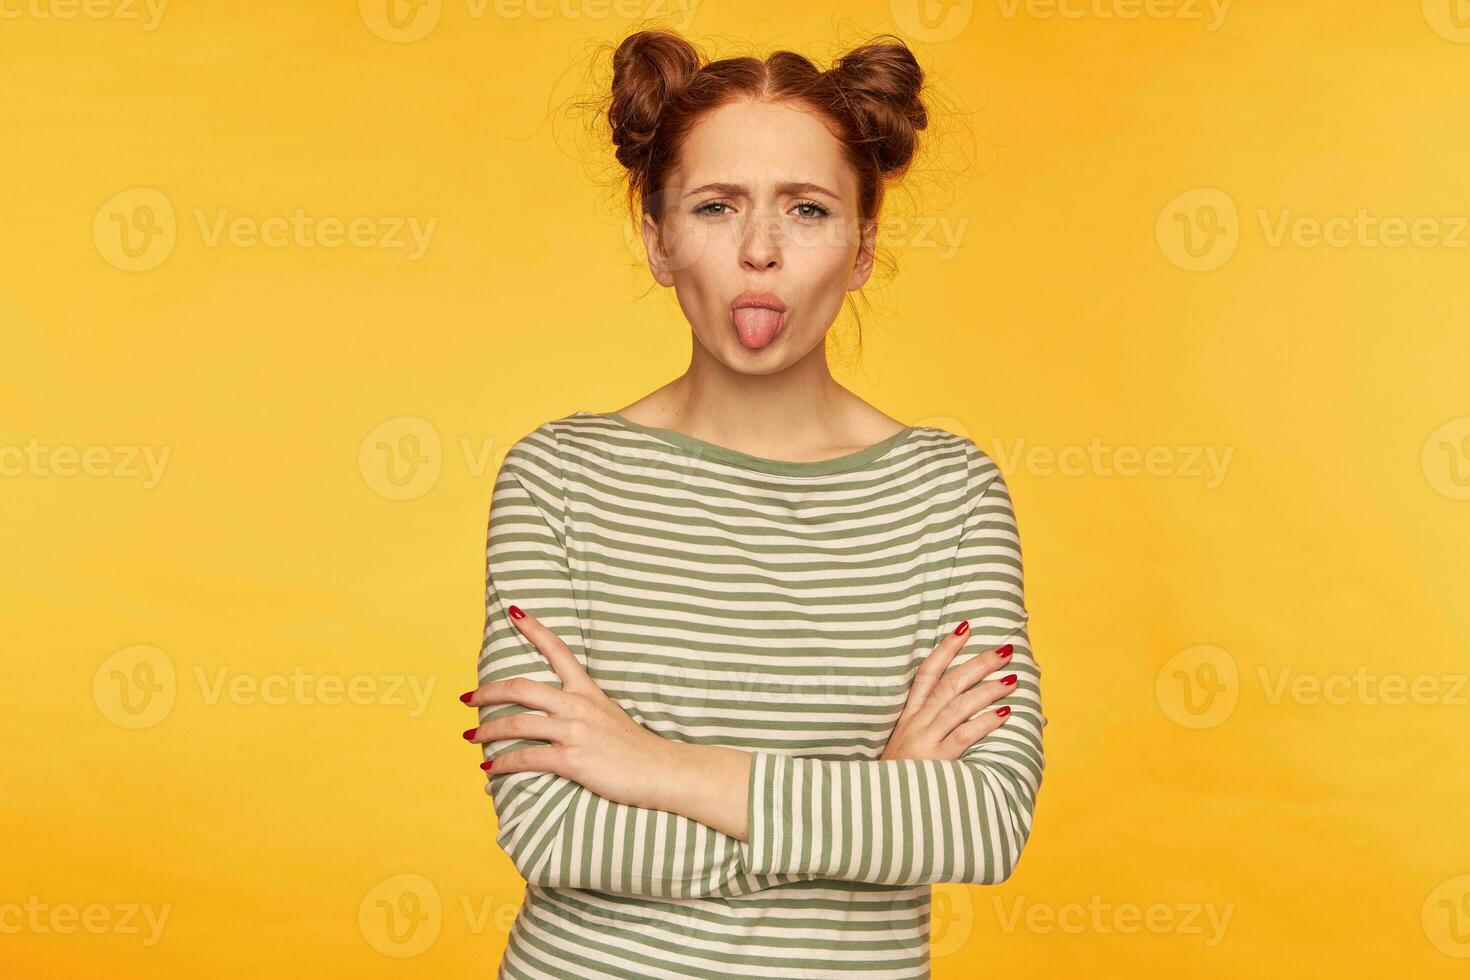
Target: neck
784,414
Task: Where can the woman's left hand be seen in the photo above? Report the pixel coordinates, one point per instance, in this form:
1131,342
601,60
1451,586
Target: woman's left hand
595,743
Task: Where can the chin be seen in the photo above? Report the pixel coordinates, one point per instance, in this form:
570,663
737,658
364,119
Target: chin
785,349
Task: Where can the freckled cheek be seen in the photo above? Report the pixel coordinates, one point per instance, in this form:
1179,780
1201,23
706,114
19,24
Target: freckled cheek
821,262
689,249
819,238
710,269
828,242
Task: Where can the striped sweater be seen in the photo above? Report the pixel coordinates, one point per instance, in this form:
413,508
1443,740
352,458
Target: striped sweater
776,607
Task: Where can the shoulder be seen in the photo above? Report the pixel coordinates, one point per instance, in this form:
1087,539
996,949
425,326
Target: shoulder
983,474
562,437
537,455
558,448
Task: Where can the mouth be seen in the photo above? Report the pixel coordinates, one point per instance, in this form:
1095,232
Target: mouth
757,318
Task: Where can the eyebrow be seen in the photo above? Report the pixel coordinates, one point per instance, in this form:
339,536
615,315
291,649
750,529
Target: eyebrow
740,190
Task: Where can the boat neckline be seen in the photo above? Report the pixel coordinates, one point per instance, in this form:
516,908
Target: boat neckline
711,451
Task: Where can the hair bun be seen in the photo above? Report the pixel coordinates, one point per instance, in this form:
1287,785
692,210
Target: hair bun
649,69
883,82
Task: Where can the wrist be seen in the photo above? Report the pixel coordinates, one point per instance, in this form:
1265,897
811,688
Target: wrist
705,783
666,768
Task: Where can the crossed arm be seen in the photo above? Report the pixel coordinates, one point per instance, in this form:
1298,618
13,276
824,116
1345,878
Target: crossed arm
725,822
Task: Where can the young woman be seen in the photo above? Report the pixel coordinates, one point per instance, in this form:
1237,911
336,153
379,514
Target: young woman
755,669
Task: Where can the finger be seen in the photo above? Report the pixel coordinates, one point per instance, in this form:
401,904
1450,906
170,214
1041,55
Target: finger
975,699
974,730
520,690
537,758
933,667
972,671
521,725
557,653
957,680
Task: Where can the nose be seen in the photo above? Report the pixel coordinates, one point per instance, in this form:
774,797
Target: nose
760,243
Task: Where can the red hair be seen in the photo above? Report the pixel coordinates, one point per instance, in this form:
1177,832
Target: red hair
869,99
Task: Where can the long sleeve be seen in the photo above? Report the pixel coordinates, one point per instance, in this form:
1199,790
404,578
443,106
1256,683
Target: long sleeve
557,832
908,822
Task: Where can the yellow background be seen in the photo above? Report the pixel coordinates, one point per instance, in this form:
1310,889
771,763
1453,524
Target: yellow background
1112,186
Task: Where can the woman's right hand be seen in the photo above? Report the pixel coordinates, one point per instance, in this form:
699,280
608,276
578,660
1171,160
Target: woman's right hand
936,722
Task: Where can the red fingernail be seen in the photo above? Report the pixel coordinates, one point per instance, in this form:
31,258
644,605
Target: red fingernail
465,697
1003,710
960,629
469,733
1008,679
487,764
1005,651
515,613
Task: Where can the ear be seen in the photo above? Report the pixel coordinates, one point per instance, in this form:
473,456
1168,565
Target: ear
658,260
862,268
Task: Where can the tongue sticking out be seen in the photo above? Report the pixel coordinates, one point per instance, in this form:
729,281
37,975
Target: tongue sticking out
756,326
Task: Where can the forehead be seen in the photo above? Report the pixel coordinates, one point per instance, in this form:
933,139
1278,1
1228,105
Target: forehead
759,143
